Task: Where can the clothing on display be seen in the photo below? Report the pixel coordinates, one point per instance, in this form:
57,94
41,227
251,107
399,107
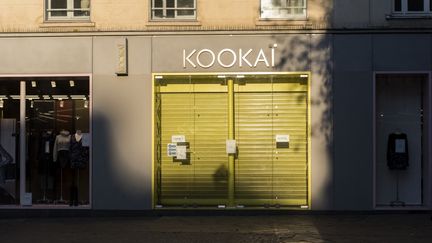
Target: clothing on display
46,144
61,148
397,151
78,153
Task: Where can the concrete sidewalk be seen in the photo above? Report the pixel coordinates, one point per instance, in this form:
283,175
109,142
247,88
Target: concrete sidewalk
286,228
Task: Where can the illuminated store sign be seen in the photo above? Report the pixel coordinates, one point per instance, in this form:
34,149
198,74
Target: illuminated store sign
227,58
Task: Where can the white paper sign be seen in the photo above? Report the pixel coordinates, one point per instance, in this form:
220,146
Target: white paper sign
27,199
400,145
231,146
172,150
282,138
181,152
178,138
86,139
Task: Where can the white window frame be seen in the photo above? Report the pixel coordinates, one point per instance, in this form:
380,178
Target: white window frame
164,8
404,8
70,9
267,12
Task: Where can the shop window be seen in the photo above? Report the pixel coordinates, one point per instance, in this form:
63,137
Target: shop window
283,9
402,125
46,135
173,9
68,9
412,6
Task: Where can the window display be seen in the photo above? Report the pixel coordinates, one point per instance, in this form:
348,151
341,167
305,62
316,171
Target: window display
56,160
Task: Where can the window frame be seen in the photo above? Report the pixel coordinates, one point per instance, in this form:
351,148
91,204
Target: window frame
164,8
302,16
70,9
404,8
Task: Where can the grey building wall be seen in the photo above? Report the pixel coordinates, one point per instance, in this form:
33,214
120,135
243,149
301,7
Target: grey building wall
342,67
352,82
122,135
356,58
371,14
46,55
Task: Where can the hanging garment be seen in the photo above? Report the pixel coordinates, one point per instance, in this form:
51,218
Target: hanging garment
397,151
46,145
78,154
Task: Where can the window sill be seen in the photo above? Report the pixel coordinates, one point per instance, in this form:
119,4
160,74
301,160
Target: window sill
49,24
408,16
173,22
281,22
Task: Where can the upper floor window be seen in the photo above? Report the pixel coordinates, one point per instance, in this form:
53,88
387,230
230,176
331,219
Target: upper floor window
412,6
68,9
283,9
173,9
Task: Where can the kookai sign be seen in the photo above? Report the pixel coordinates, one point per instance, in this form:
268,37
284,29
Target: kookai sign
227,58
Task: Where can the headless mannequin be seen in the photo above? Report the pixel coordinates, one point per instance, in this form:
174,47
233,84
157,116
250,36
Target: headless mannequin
78,160
61,156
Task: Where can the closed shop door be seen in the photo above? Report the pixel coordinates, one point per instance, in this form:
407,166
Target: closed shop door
268,172
197,113
265,172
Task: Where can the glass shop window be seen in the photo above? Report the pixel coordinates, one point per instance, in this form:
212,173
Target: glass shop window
283,9
67,9
412,6
173,9
57,141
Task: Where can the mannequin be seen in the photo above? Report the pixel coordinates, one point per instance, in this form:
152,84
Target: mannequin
61,155
78,160
45,161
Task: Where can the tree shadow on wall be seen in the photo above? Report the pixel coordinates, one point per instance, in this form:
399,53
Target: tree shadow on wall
313,52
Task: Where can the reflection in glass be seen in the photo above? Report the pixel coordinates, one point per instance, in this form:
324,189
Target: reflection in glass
415,5
9,144
59,4
57,120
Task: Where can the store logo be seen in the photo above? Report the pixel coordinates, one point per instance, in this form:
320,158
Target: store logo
227,58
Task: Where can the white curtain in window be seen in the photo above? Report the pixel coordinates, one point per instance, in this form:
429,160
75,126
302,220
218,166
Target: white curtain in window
282,8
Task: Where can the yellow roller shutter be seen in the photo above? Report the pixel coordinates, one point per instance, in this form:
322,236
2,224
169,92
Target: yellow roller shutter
201,118
253,167
290,170
266,174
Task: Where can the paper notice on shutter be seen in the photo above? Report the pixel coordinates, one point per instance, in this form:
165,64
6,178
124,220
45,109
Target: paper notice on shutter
171,150
181,153
178,138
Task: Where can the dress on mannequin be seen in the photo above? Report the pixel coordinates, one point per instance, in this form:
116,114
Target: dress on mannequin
78,160
78,153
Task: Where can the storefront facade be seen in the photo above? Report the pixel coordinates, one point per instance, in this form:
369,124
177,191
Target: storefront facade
251,120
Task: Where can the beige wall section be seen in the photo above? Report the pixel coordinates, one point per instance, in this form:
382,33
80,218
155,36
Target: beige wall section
124,14
112,15
122,118
45,55
20,14
227,12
